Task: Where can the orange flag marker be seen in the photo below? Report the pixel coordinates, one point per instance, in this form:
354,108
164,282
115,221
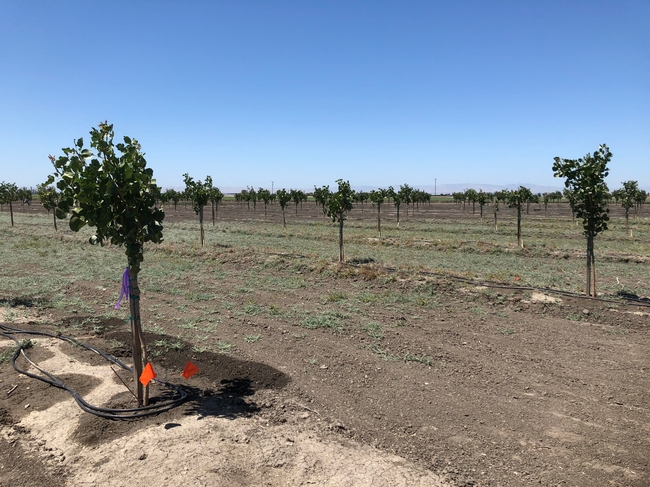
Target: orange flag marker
147,374
189,370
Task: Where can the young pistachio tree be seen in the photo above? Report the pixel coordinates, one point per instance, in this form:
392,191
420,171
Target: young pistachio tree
516,199
321,196
264,195
173,196
627,196
49,198
215,198
199,194
9,194
378,197
112,189
397,200
406,196
337,206
283,198
482,199
585,177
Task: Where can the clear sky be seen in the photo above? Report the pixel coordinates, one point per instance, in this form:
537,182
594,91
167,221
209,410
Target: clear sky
306,92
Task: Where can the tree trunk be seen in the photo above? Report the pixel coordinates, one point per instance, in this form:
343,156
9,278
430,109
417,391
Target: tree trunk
213,213
11,212
341,255
139,348
627,222
284,220
201,225
520,242
591,268
54,215
397,216
379,220
481,207
496,229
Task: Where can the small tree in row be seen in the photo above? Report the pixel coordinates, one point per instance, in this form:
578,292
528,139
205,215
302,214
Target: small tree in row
215,198
378,197
49,198
266,197
585,178
321,196
9,194
199,194
516,199
337,207
283,197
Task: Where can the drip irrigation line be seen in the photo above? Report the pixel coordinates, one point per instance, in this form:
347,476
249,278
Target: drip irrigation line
108,413
629,300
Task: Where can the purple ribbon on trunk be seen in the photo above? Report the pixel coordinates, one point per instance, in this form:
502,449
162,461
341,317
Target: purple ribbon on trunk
124,292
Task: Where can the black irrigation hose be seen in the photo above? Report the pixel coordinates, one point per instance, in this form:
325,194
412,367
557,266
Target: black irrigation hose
108,413
494,284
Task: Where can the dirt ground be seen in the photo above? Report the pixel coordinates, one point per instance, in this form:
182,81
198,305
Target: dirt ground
489,387
528,398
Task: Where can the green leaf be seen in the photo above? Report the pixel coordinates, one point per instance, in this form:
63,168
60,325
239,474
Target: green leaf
86,154
76,223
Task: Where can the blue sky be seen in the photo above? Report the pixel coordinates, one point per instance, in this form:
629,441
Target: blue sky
302,93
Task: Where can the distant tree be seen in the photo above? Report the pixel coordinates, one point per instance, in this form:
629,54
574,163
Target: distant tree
585,178
516,199
361,197
337,207
495,210
265,196
458,197
215,198
321,196
49,198
397,200
378,197
406,196
471,196
570,196
253,197
199,194
546,198
482,199
283,197
25,197
114,193
9,194
173,196
296,197
640,198
627,195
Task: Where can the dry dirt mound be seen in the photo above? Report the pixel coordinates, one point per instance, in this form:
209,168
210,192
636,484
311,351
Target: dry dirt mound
188,446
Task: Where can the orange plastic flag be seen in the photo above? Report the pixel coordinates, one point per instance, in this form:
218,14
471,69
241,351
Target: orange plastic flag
189,370
147,374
